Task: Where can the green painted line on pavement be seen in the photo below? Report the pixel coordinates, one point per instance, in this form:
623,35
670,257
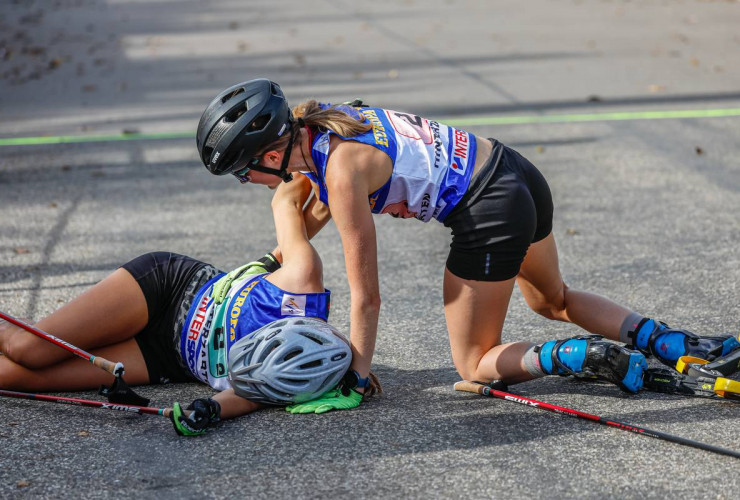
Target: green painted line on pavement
592,117
68,139
453,121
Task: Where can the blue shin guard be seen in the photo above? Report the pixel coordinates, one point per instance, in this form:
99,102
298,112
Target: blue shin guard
587,356
668,345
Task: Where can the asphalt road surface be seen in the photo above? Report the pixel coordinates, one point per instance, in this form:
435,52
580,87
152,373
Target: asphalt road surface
605,97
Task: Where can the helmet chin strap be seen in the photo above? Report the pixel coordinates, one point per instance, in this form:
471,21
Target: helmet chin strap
283,174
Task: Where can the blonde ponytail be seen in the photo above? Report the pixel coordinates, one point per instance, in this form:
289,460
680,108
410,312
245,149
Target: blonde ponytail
331,118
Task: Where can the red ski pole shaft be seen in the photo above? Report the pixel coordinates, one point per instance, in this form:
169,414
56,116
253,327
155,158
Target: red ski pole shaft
109,366
86,402
484,390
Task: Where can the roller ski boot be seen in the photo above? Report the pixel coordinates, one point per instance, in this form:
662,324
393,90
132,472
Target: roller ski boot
668,345
718,379
590,356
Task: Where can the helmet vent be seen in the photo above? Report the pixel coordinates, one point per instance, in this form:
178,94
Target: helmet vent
292,354
235,93
315,338
233,115
312,364
275,89
259,123
271,345
293,381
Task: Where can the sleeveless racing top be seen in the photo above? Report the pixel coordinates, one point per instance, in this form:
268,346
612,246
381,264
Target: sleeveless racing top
252,302
432,163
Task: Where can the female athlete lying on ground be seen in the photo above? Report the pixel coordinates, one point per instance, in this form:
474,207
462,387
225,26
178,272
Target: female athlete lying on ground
170,318
363,161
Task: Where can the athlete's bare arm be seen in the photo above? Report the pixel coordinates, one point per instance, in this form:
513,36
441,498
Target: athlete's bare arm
352,174
315,213
301,271
233,406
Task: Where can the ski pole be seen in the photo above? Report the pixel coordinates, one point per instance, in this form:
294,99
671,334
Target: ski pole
114,369
119,392
485,390
86,402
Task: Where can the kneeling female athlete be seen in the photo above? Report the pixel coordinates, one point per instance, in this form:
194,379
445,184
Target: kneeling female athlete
364,161
155,313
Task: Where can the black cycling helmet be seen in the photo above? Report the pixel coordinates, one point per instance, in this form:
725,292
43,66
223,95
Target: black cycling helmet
239,123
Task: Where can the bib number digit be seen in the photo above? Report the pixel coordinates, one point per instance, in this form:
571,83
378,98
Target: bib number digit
413,126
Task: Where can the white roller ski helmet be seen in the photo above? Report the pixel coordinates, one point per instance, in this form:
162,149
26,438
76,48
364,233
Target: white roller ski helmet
288,361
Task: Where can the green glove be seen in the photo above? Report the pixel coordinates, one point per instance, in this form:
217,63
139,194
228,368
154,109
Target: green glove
332,400
203,413
266,264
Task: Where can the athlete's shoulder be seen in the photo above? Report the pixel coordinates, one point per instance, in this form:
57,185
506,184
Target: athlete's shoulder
357,166
344,148
355,155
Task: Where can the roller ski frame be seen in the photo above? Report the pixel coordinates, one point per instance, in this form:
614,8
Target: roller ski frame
695,377
667,381
698,377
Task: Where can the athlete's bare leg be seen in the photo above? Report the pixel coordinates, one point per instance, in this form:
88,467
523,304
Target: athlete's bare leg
109,313
475,313
543,288
75,374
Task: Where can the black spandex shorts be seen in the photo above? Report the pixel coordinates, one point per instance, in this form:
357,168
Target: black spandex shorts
507,207
169,282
